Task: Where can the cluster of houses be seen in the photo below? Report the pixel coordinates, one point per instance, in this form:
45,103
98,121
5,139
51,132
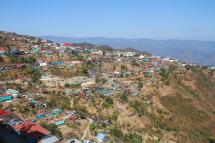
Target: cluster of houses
27,129
57,116
30,131
7,95
99,81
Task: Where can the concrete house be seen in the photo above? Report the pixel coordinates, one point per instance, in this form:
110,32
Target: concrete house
2,50
13,92
6,98
50,139
101,137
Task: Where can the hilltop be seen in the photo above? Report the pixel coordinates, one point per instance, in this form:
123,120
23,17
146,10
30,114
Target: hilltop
87,92
191,51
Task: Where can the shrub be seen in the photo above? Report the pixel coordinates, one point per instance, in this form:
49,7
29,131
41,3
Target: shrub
62,102
67,85
116,133
132,138
124,67
139,107
52,128
124,97
82,112
14,59
211,139
36,76
114,116
108,102
92,127
164,73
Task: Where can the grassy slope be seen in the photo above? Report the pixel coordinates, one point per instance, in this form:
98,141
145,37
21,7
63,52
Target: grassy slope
192,113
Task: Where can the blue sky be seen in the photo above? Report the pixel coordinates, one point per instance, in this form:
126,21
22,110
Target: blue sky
157,19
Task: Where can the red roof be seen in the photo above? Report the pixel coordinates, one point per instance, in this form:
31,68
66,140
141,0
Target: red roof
6,94
29,127
1,49
67,44
4,113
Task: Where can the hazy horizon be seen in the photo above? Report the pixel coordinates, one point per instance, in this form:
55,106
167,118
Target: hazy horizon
121,38
154,19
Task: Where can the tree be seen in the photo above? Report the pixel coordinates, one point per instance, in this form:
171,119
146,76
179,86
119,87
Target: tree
134,63
36,75
60,101
115,115
124,67
133,138
15,59
116,133
84,69
87,66
108,102
82,112
67,85
52,128
140,85
92,127
139,107
211,139
164,73
124,97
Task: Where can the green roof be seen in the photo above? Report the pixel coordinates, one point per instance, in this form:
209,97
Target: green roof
12,91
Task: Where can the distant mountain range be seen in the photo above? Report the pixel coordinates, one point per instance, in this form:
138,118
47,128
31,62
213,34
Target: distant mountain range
191,51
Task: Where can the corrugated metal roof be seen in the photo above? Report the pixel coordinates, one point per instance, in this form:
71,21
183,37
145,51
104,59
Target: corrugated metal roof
4,113
30,127
49,139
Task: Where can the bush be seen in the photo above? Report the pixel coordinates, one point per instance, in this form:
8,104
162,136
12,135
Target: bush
124,97
108,102
52,128
14,59
67,85
132,138
139,107
115,116
165,75
140,85
85,67
62,102
36,76
211,139
116,133
82,112
92,127
124,67
163,126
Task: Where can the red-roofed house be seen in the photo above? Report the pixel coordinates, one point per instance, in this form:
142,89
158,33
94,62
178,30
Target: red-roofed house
32,129
2,50
4,113
67,44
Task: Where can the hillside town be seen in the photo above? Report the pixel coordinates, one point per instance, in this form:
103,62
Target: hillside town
84,93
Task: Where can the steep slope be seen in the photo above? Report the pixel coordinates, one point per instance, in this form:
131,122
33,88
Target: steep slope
191,107
174,106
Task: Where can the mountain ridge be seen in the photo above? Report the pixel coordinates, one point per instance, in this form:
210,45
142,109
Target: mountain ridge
191,51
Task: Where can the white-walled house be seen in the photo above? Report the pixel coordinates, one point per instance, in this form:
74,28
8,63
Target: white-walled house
13,92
